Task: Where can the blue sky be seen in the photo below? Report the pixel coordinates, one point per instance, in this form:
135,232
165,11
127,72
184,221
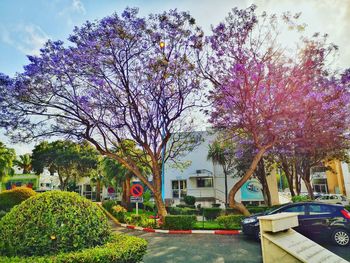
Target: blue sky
25,25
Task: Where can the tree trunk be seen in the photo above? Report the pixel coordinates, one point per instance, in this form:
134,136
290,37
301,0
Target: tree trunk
261,175
239,206
297,182
127,192
309,189
290,185
160,204
98,190
306,178
289,174
266,192
124,194
226,190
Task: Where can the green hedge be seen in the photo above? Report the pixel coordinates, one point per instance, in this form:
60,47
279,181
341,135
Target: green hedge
52,222
182,211
10,198
300,198
257,209
186,206
122,249
347,207
179,222
211,213
230,221
190,200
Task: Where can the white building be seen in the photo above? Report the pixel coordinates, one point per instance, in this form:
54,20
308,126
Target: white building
204,180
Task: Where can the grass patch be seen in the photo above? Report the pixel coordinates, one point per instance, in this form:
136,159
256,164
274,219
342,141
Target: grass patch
212,225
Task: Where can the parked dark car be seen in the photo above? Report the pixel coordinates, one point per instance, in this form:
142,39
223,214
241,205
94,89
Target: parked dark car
316,220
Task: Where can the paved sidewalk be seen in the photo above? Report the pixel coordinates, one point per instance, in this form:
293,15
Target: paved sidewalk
202,248
207,248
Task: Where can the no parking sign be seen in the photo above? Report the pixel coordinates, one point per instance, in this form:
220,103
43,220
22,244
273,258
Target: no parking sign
136,190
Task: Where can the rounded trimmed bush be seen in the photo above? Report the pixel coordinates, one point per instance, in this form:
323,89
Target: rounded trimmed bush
52,222
10,198
121,249
190,200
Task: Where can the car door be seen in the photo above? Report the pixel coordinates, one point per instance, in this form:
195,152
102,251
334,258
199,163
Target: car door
296,208
318,218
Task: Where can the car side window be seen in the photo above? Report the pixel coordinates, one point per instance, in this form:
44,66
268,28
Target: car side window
334,197
321,209
300,209
324,197
343,198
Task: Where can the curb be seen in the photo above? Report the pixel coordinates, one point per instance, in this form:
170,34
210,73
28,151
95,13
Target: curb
183,232
215,232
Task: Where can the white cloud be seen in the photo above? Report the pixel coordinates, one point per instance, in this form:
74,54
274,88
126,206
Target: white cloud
75,6
78,6
26,38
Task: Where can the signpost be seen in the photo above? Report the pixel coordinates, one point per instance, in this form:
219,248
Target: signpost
136,192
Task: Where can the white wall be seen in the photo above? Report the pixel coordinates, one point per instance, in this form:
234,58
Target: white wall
346,175
198,158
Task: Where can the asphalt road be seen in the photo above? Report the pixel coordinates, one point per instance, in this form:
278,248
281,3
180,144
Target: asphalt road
165,248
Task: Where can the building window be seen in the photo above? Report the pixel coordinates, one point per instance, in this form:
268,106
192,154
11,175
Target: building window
205,182
179,188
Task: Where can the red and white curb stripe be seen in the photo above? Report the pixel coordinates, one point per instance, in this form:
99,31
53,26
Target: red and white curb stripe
215,232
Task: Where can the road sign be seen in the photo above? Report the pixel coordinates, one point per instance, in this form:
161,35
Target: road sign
134,199
136,190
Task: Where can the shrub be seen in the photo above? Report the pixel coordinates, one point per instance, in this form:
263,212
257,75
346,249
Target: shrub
134,219
108,204
257,209
10,198
211,213
230,211
300,198
186,206
189,200
53,222
2,213
141,220
120,250
182,211
347,207
179,222
119,213
230,221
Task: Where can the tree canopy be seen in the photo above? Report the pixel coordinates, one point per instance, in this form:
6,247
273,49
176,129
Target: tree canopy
276,98
122,77
69,159
7,156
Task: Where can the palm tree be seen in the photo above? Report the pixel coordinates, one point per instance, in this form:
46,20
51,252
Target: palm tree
7,156
114,172
24,162
221,152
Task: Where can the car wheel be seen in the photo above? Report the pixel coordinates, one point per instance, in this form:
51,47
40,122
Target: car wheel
341,237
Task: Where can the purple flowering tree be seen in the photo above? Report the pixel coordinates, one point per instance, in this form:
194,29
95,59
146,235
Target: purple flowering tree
123,77
266,93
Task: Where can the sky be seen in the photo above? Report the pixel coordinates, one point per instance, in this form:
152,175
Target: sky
25,25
